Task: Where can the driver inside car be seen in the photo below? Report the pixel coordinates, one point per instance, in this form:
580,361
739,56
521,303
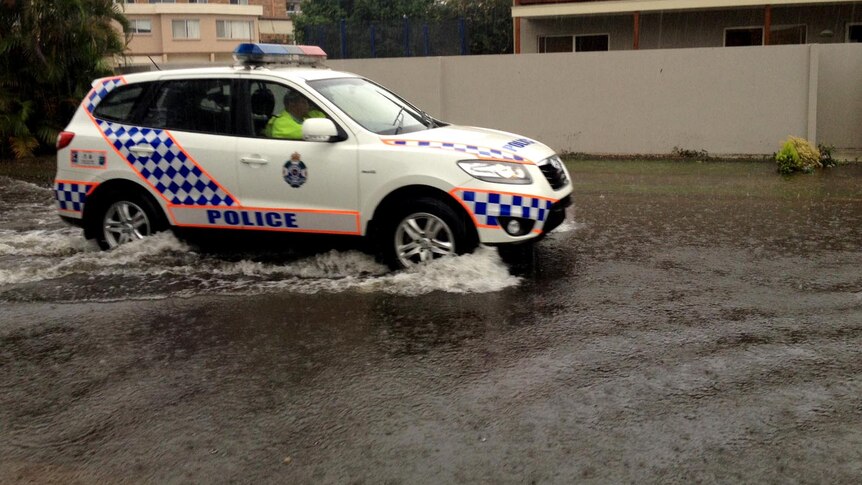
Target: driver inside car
288,124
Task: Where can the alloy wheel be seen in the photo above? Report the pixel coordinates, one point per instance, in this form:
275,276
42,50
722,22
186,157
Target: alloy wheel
422,237
125,222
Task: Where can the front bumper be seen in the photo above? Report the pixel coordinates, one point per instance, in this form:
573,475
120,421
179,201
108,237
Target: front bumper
557,214
552,215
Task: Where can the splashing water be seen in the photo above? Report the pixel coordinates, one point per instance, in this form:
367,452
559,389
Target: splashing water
43,258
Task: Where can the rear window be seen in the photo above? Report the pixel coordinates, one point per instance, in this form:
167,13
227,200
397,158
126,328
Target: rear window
120,103
197,105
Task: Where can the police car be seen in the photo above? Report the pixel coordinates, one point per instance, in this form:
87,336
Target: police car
196,148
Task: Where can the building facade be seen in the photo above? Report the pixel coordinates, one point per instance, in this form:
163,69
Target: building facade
600,25
203,31
276,23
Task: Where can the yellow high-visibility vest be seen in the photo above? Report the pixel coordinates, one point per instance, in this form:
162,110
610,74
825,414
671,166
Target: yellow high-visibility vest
286,126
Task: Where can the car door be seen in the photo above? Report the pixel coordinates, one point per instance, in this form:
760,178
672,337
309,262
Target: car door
288,184
185,147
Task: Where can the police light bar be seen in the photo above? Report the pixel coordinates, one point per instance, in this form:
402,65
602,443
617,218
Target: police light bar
260,54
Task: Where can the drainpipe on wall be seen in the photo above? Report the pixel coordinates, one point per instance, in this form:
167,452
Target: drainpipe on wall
767,24
517,21
637,31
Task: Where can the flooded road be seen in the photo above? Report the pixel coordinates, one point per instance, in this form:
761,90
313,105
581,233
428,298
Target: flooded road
692,322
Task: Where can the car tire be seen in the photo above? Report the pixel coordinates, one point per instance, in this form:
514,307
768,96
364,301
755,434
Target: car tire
422,230
123,218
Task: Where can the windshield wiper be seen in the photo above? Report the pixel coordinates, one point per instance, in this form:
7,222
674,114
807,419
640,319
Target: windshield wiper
399,120
427,120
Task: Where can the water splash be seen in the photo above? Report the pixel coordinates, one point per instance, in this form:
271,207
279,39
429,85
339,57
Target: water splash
43,258
162,265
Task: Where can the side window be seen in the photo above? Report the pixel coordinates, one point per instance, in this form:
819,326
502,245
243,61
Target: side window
278,111
120,103
197,105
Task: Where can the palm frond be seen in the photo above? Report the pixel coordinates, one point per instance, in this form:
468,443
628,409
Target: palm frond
23,146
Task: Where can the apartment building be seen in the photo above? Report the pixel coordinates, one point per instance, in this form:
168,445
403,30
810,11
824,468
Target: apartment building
202,31
276,24
600,25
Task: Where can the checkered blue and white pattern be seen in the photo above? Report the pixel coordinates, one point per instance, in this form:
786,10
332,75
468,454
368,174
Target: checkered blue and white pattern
71,196
100,91
459,147
488,206
168,169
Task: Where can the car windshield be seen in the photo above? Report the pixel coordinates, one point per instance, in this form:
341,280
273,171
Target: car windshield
372,106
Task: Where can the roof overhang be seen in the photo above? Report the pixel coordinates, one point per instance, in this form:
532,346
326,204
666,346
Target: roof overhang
609,7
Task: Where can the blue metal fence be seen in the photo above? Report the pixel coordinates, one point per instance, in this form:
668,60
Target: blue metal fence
404,38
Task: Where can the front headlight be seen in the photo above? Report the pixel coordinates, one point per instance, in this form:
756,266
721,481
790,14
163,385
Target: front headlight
497,172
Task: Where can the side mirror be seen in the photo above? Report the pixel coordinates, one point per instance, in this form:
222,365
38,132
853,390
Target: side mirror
319,129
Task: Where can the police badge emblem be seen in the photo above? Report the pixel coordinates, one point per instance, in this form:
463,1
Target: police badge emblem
294,171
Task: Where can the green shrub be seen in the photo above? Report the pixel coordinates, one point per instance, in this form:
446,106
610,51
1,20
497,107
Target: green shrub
689,154
797,155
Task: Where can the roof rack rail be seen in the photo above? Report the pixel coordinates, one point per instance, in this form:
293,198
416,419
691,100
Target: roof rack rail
257,54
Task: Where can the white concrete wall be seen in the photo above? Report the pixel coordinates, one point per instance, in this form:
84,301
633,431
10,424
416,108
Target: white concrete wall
839,97
726,101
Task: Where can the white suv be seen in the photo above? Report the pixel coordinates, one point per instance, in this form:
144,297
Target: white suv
197,149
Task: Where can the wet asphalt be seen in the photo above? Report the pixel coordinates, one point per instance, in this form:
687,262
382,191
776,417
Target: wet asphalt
699,323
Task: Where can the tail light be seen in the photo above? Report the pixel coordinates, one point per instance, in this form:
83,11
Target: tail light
64,138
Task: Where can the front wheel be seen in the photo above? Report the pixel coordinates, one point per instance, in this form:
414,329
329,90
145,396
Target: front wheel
424,230
125,219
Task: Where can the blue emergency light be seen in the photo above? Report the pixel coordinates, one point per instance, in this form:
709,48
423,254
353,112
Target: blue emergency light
251,54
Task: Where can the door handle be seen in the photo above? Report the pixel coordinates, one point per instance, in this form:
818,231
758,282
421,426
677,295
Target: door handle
253,161
142,150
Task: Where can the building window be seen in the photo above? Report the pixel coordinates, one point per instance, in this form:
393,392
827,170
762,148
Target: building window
233,29
743,36
186,29
592,43
788,34
161,1
854,32
197,1
140,26
556,43
239,2
293,7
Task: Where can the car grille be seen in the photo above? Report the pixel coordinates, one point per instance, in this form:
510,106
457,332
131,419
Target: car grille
552,169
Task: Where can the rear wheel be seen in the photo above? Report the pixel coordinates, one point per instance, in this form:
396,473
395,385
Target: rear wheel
422,231
126,218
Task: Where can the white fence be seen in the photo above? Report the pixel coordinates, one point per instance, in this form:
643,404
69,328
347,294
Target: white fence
727,101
